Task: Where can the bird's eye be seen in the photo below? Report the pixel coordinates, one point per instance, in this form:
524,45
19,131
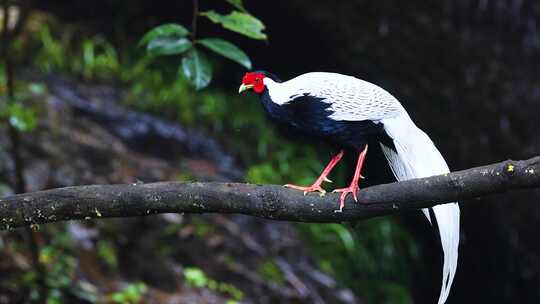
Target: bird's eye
257,79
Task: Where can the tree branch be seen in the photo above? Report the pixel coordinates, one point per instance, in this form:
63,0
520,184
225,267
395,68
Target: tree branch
267,201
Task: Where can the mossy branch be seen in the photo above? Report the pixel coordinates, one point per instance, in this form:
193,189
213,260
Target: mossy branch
266,201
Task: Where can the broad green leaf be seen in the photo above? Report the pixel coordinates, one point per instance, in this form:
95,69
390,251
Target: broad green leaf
168,46
241,23
165,30
227,50
237,4
197,69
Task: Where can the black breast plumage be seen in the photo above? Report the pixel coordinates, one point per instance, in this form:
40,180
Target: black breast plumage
309,115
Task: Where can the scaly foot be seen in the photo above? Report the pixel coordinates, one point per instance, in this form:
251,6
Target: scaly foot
344,192
353,188
313,188
316,187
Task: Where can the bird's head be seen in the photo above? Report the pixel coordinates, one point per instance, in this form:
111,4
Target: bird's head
255,81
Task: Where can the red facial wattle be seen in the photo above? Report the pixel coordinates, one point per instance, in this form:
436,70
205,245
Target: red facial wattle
255,80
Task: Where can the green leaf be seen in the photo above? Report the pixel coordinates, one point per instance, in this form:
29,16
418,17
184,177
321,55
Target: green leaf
168,46
227,50
197,69
171,30
238,4
37,88
106,251
132,293
21,118
239,22
195,277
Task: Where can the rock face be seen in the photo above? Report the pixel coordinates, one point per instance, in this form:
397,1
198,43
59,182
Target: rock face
86,137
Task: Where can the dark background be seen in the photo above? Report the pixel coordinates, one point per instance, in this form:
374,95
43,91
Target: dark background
466,71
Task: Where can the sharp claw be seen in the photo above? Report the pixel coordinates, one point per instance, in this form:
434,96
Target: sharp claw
338,211
362,177
306,190
326,179
341,204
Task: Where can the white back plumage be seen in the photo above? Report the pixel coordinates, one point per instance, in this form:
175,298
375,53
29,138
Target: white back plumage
350,98
353,99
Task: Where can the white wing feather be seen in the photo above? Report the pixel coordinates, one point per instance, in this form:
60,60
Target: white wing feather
350,98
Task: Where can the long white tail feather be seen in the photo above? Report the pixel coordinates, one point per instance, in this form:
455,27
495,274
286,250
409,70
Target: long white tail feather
399,170
418,157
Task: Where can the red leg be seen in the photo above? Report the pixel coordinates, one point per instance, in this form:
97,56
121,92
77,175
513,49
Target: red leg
323,178
353,187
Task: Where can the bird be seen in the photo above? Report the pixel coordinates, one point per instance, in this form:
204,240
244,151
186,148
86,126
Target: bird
350,112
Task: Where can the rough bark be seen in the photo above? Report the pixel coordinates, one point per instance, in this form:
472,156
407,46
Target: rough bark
267,201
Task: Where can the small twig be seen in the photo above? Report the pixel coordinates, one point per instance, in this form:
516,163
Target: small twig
15,139
20,186
194,19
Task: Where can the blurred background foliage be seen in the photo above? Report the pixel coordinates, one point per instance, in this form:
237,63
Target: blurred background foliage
471,64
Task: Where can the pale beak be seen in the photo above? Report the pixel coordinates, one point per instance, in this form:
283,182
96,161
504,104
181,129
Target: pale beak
244,87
